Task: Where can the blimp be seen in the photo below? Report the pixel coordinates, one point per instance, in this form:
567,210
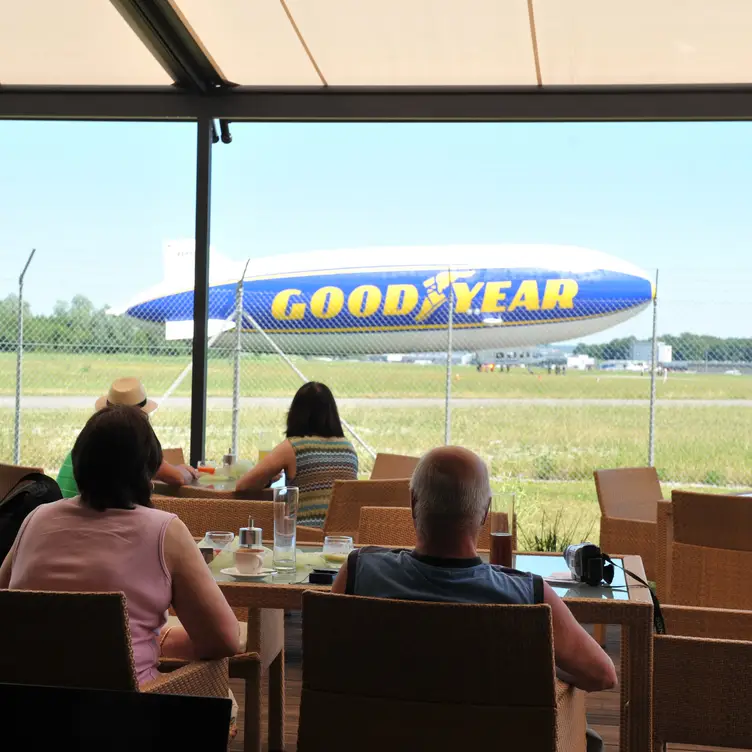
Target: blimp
400,299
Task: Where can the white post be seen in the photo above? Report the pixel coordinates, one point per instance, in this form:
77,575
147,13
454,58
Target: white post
19,364
448,390
653,366
236,368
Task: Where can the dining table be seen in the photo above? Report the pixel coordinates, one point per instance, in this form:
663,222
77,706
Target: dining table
208,486
626,602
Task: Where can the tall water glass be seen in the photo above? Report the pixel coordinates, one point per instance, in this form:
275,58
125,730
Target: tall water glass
501,527
285,521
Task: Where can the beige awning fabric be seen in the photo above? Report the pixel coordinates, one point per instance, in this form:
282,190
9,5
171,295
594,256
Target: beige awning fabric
391,43
72,43
644,42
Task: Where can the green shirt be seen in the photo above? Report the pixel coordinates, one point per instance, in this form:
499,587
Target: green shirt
65,478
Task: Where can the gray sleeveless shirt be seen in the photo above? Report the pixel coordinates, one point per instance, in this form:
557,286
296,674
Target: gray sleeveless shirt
405,575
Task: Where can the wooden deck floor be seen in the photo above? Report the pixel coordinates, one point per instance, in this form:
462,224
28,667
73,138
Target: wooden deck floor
602,707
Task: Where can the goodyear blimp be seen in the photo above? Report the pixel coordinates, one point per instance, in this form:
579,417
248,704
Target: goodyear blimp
403,299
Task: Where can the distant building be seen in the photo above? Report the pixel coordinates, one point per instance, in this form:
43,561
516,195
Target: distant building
580,362
642,352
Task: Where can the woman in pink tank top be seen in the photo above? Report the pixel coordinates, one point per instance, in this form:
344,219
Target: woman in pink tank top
110,539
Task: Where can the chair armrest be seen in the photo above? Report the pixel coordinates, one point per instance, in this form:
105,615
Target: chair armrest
198,679
716,623
571,721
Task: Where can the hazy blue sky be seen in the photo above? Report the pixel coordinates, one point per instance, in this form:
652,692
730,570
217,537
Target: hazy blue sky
98,200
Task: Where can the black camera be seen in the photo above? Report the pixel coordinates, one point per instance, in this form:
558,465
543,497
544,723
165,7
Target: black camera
587,564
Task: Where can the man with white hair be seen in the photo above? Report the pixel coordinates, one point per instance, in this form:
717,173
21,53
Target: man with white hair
450,497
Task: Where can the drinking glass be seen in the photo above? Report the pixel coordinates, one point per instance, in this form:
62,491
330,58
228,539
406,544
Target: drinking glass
285,520
337,548
220,539
501,527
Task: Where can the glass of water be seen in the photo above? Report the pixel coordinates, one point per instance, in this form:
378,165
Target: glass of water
285,520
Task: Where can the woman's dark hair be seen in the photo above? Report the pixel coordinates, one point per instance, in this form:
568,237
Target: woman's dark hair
115,458
313,412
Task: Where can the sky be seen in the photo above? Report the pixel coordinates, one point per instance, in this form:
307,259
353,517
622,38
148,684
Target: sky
97,200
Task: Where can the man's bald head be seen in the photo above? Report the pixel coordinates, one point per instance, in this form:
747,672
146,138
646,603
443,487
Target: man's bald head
449,486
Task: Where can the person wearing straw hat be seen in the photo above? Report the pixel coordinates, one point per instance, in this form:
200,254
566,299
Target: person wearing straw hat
128,392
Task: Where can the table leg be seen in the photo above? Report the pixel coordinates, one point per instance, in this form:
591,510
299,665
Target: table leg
637,685
277,703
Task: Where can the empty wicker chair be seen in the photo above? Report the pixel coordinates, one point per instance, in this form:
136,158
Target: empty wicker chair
265,627
349,496
701,685
628,498
393,527
200,515
390,466
83,640
11,474
388,692
174,456
705,550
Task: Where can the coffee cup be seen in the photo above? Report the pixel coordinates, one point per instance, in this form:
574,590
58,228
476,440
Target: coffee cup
249,560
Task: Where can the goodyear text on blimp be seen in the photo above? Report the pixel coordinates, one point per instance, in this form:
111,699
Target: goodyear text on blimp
406,299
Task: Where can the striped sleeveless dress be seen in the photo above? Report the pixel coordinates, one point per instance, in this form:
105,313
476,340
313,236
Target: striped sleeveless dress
318,463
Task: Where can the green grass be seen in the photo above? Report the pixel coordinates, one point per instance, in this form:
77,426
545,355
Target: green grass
89,374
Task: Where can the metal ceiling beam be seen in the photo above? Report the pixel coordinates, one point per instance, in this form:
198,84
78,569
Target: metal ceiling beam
169,38
378,104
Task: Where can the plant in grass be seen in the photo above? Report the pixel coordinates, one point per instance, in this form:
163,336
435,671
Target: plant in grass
554,534
714,478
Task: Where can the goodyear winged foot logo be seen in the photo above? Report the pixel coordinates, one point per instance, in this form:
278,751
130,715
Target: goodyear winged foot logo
435,295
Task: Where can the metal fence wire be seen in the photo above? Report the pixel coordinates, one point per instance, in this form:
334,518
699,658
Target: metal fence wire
411,368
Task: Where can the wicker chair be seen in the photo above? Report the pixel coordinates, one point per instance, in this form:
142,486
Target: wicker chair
200,515
393,527
265,627
83,640
173,456
390,466
628,498
388,692
11,474
349,496
701,688
705,550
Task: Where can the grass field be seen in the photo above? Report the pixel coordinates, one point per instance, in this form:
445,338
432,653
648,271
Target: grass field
87,374
545,453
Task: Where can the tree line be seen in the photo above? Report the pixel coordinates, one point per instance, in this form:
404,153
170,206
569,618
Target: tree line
79,326
685,347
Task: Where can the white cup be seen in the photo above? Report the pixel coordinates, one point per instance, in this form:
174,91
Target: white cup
249,560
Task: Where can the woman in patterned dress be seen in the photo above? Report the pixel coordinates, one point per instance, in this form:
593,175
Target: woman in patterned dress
314,454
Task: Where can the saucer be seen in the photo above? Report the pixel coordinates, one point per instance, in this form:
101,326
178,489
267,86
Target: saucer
236,575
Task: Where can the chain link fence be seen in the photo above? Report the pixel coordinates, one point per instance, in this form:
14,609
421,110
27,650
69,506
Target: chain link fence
542,416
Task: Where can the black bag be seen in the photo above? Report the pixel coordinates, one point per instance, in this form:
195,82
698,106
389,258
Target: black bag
30,492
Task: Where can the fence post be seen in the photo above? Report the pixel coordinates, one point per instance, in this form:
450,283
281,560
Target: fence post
653,375
448,393
19,364
236,364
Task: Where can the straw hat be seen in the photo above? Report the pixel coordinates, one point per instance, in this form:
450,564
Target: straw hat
128,392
